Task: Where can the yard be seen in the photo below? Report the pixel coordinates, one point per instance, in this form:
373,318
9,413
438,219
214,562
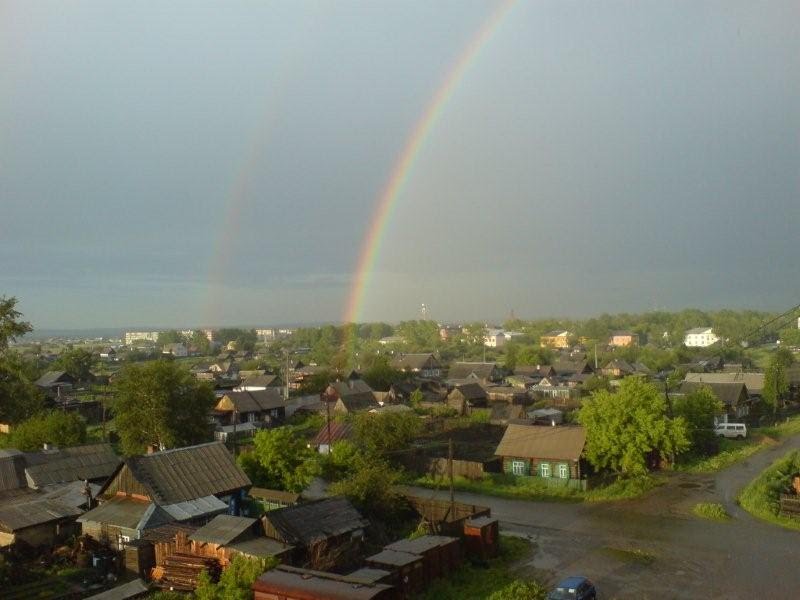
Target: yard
761,497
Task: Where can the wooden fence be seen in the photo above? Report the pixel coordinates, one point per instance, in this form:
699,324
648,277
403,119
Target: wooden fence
790,505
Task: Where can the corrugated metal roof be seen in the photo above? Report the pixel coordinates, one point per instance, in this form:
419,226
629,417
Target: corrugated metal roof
93,461
287,580
339,431
182,474
191,509
29,513
534,441
131,589
122,512
222,529
305,523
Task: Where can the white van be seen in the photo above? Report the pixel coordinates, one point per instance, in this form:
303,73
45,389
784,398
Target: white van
731,430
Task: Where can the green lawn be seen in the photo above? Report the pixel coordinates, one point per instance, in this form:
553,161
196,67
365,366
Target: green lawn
528,488
761,496
477,583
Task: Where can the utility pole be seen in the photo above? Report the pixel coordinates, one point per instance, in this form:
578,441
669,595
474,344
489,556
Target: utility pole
450,474
286,387
235,418
595,357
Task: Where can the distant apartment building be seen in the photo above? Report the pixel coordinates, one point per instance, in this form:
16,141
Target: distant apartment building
700,337
558,338
495,338
178,350
266,335
623,339
134,336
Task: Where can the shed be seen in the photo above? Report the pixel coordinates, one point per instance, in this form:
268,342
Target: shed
440,554
289,583
482,537
132,589
408,570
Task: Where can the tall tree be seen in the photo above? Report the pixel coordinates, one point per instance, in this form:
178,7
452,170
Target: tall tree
776,384
626,429
698,410
11,324
77,362
159,403
384,433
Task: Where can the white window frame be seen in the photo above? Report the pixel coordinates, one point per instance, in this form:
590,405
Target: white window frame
563,471
544,470
518,467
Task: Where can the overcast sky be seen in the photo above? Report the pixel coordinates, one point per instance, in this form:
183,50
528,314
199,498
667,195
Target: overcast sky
188,163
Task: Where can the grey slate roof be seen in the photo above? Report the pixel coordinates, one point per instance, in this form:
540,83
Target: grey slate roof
52,378
306,523
462,370
93,461
223,529
256,401
188,473
19,516
415,361
260,547
12,470
132,589
119,511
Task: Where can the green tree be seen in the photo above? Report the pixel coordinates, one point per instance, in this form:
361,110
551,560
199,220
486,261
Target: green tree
383,433
159,403
56,427
170,337
370,486
624,430
11,324
419,336
199,341
280,460
78,362
776,384
416,399
512,356
380,376
20,399
236,580
698,409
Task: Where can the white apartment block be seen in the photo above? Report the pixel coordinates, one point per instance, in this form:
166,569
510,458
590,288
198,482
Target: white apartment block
700,337
132,336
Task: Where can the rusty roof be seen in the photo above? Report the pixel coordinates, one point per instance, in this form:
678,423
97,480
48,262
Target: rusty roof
290,581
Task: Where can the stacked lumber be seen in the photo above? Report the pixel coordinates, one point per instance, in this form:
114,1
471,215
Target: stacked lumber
180,571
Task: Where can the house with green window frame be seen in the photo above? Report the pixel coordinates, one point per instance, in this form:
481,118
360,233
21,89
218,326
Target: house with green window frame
550,453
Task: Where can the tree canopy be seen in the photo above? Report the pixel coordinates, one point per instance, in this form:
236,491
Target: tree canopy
627,429
78,362
698,409
56,427
384,433
11,324
280,460
159,403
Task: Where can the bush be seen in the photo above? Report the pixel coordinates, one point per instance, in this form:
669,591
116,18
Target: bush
711,510
761,497
520,590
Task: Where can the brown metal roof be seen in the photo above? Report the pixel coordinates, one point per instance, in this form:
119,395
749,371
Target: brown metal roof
339,431
394,558
188,473
304,583
535,441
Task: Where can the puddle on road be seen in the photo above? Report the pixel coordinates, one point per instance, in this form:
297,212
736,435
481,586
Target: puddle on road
545,561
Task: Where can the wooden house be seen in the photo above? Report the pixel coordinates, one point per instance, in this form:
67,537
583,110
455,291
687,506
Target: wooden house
552,453
480,372
187,485
734,396
266,407
327,533
423,365
465,397
353,395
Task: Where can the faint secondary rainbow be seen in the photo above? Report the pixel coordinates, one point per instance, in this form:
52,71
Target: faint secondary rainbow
371,244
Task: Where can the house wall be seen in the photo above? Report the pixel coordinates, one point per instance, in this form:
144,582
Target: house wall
45,534
126,483
532,467
110,534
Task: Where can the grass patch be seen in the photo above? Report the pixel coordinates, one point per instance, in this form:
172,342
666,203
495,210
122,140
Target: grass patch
734,451
635,555
711,510
761,497
480,582
530,488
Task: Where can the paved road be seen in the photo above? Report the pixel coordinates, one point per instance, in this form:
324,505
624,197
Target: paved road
653,547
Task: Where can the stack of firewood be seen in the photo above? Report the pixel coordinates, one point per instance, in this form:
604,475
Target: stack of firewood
180,571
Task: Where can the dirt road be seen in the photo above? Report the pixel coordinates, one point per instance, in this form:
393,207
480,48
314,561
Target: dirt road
653,547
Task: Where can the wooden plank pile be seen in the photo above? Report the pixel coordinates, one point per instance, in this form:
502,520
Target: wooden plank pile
180,571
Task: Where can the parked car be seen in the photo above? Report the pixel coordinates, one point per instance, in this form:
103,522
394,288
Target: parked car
731,430
574,588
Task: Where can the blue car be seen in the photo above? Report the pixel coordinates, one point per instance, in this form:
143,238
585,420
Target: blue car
574,588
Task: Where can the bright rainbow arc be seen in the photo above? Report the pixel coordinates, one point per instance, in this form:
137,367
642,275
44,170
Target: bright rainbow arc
371,246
